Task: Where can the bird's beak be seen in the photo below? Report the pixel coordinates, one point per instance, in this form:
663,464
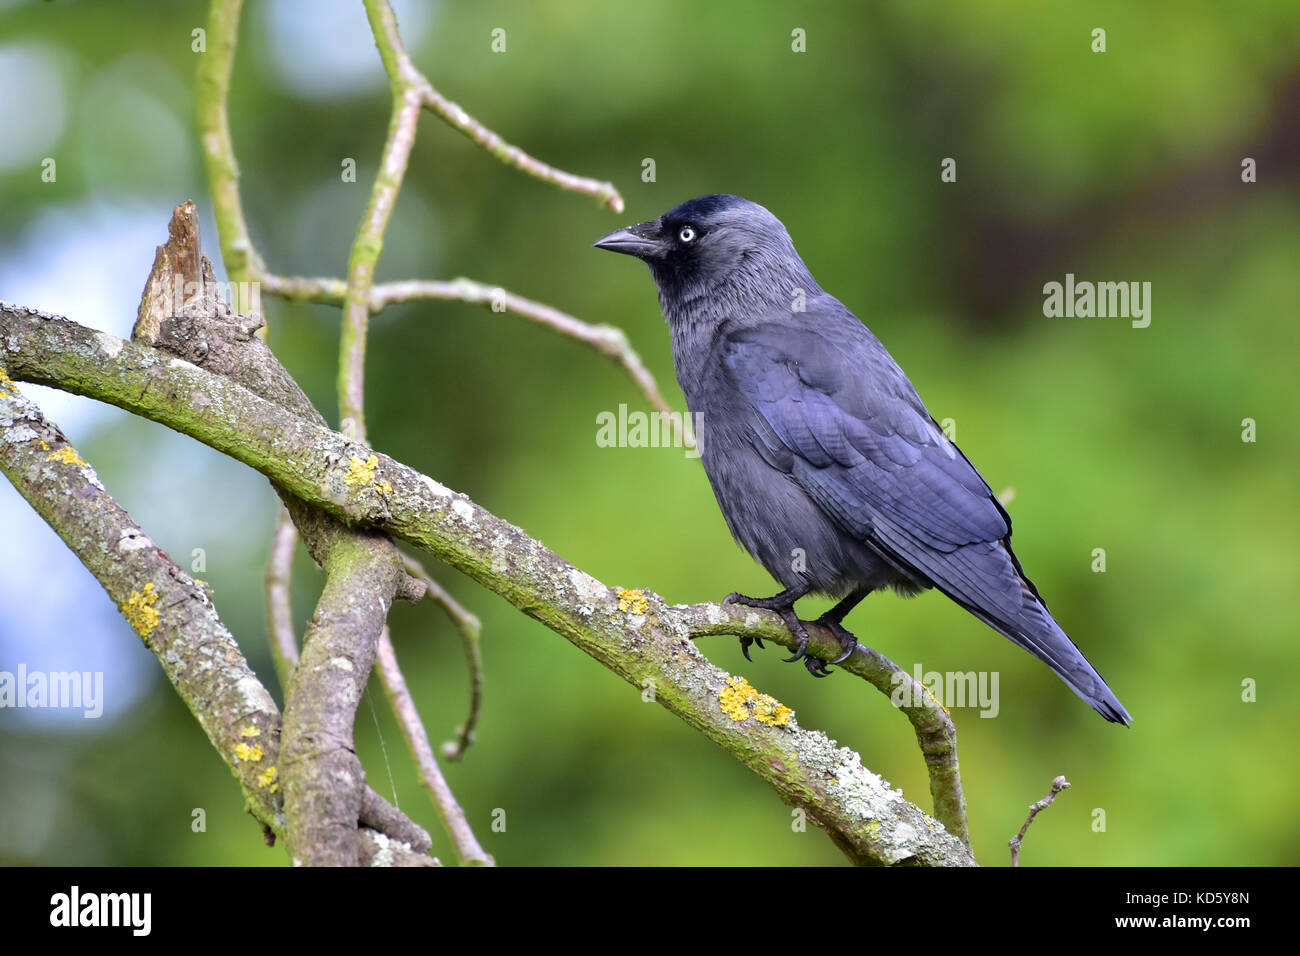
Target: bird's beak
641,240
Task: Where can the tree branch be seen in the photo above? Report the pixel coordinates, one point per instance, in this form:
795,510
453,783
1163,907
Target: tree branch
632,633
1058,784
279,609
322,776
935,732
607,339
212,93
406,78
466,844
468,626
458,119
171,613
369,240
375,811
182,314
380,815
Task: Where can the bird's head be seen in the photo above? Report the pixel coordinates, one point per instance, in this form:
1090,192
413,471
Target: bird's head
721,247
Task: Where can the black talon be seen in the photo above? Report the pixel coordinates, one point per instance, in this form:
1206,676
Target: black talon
816,666
842,634
797,629
735,597
832,619
783,604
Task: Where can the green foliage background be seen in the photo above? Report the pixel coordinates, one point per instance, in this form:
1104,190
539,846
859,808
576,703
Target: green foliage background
1116,166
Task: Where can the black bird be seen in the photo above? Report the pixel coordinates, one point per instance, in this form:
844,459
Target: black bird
827,466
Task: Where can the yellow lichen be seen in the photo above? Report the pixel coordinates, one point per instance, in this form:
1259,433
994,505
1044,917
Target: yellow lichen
267,778
45,446
361,472
740,701
67,456
249,752
7,385
140,612
252,730
633,601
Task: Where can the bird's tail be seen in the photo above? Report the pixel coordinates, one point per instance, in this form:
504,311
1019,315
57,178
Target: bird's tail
1037,632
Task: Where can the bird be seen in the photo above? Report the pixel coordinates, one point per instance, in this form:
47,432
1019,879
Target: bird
826,465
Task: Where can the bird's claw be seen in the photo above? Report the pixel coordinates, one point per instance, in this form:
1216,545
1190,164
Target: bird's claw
797,629
849,647
783,604
816,666
848,642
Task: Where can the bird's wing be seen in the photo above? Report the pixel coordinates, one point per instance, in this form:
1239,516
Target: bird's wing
837,414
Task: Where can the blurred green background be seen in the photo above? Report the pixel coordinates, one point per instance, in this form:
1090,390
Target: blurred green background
1117,166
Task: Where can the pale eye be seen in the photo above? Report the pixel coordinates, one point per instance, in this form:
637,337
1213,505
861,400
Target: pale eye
687,234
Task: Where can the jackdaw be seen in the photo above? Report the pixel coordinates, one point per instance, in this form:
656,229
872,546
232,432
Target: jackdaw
826,464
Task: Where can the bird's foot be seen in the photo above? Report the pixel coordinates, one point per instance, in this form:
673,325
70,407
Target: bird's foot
783,604
774,603
735,597
800,635
848,642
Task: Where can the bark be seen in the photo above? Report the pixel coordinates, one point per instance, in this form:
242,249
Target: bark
173,615
182,314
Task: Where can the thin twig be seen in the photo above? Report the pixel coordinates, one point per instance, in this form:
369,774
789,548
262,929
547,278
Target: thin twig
212,94
458,119
606,339
468,850
1059,784
405,77
469,628
369,240
279,610
378,813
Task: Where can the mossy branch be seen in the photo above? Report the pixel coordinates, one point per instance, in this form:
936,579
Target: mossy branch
174,616
182,314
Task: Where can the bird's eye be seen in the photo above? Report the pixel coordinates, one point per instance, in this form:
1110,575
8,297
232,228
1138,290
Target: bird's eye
687,234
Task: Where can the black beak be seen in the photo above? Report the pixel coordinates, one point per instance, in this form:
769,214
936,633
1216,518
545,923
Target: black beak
641,240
